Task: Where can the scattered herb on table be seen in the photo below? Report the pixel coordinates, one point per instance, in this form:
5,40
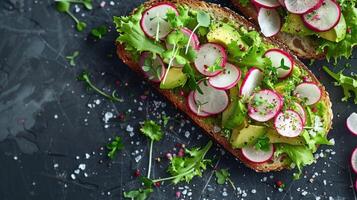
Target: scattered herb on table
348,84
72,58
88,4
222,176
114,146
99,31
85,77
140,194
63,6
165,120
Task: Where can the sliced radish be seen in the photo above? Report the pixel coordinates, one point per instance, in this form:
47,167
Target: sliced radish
302,6
269,21
211,101
193,106
308,92
252,80
195,42
324,18
156,71
227,79
208,55
154,19
267,3
257,156
276,56
301,111
352,123
288,123
264,105
354,160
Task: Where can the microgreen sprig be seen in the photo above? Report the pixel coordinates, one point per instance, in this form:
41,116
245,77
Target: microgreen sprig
222,176
99,31
203,20
72,58
63,6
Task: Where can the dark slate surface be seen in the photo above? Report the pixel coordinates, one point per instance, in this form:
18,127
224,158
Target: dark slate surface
47,126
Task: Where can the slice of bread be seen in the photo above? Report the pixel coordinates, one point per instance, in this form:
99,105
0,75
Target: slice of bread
302,46
223,14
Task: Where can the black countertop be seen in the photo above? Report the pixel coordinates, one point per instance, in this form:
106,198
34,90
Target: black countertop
50,126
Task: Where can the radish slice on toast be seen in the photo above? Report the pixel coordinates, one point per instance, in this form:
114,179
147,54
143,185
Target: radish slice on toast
267,3
257,156
153,68
282,3
153,21
264,105
193,106
308,92
269,21
277,56
352,123
252,79
324,18
211,101
288,123
301,111
354,160
227,79
208,55
302,6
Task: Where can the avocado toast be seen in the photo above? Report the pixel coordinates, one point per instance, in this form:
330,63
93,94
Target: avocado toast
312,29
247,92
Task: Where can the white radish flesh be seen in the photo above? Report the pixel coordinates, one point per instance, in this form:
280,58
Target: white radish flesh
269,22
153,21
208,55
267,3
324,18
211,101
288,123
227,79
352,123
252,80
264,105
354,160
301,6
156,71
257,156
301,111
191,104
276,56
310,93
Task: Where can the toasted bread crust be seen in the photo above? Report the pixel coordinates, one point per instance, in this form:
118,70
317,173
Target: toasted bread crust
302,46
220,13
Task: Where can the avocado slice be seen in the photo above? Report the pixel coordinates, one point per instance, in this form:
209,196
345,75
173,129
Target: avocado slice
235,114
294,25
247,135
224,34
175,78
336,34
274,137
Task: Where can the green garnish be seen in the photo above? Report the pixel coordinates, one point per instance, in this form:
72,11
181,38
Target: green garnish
72,58
165,120
348,84
283,66
88,4
84,76
216,66
153,131
263,143
192,83
140,194
203,20
63,7
222,176
114,146
150,68
99,31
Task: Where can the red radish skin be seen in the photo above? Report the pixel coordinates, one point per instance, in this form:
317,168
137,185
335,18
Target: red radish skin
302,6
269,22
308,91
257,156
323,18
354,160
157,61
252,79
192,106
275,55
266,3
227,79
207,56
301,111
268,109
149,27
288,123
351,123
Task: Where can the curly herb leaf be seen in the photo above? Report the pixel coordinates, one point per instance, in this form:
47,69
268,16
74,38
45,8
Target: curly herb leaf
263,143
140,194
114,147
152,130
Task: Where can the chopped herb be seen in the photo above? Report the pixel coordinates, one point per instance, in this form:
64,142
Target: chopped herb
140,194
99,32
203,20
63,6
283,66
72,58
165,119
87,3
114,147
192,83
263,143
216,66
84,76
222,176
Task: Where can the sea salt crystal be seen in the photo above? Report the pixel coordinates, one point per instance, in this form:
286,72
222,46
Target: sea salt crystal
107,117
55,165
76,171
254,191
224,194
55,116
87,156
187,134
73,176
129,128
97,101
138,158
304,193
82,167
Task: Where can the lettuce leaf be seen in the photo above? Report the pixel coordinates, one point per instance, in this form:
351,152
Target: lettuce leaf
299,155
132,36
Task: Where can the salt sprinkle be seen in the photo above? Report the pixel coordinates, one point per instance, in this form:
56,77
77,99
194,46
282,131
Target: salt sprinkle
55,116
82,167
87,156
73,176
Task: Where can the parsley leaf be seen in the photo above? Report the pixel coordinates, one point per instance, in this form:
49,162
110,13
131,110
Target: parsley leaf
222,175
263,143
72,58
114,147
191,83
165,119
152,130
140,194
99,32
